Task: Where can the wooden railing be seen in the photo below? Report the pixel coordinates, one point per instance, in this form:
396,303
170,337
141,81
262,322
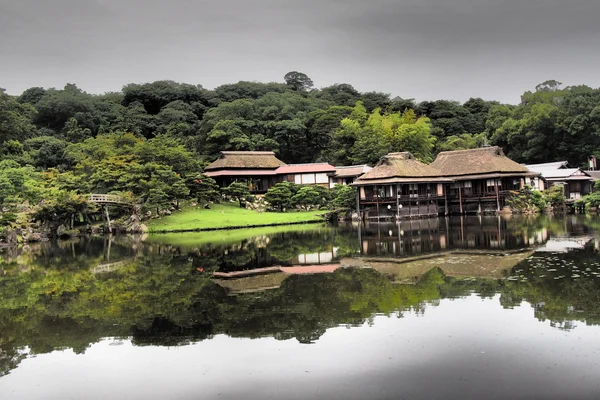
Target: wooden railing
402,198
107,199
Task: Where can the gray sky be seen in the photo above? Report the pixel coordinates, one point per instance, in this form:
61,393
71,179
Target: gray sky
423,49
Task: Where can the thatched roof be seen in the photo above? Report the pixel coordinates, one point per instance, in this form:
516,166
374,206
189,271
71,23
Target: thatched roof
399,167
246,159
484,160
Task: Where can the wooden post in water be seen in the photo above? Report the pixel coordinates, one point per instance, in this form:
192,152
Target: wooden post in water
460,198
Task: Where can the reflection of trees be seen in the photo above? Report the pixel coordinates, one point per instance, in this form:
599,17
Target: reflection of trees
158,297
570,292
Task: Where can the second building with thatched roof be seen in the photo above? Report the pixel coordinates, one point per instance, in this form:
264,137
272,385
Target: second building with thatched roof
461,181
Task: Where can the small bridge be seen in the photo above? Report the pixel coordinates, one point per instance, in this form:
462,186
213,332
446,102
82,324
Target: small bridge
107,199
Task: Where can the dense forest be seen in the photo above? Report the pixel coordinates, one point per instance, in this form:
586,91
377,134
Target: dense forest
151,140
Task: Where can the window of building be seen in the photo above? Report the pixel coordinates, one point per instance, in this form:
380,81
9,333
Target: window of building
322,178
308,179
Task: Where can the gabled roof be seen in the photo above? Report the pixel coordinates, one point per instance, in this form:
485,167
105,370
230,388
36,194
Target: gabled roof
484,160
565,174
550,165
351,171
245,159
399,167
594,174
305,168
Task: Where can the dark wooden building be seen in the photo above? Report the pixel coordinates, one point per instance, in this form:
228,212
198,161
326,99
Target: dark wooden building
400,186
481,178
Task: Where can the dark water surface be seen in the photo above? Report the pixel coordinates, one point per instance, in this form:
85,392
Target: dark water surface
460,308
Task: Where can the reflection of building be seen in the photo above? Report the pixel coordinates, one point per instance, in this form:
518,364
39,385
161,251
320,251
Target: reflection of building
318,258
261,279
463,263
415,237
565,244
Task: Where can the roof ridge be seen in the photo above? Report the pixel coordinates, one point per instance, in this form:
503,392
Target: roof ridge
240,152
487,148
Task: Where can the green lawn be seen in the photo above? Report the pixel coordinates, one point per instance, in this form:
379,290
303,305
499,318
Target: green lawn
228,215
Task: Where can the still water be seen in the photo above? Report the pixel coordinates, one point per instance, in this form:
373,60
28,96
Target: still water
460,308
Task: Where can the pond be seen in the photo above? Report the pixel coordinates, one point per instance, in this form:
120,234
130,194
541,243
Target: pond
469,308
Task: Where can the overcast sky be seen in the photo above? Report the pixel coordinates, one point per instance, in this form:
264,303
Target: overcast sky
422,49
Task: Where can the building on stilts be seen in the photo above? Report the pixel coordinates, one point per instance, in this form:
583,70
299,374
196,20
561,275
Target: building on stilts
400,186
483,179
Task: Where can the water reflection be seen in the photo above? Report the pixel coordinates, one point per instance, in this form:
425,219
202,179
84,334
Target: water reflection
291,285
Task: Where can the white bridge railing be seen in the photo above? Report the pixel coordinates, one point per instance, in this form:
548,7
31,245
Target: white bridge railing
107,198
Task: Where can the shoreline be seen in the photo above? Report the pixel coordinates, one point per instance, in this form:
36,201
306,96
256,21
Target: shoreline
227,228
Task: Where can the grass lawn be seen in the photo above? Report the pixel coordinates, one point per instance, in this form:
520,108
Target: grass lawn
228,236
228,215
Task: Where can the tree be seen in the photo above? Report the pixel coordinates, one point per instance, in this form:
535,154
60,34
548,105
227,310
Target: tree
15,119
344,196
280,195
203,188
365,139
310,196
298,81
238,191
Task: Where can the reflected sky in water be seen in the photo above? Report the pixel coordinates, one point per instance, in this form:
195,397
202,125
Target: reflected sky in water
496,314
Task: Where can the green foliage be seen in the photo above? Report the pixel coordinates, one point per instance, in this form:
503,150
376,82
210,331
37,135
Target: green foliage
555,197
527,200
371,137
344,196
62,209
311,196
280,195
298,81
238,191
203,188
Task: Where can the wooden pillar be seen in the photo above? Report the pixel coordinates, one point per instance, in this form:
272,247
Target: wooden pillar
460,197
497,195
397,202
358,203
377,200
446,211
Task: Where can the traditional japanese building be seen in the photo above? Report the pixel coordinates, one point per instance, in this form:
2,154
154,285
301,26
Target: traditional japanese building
401,186
306,174
347,175
575,181
482,178
256,168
